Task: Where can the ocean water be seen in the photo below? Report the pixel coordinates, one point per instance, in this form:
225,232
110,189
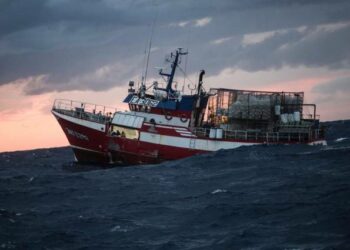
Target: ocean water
261,197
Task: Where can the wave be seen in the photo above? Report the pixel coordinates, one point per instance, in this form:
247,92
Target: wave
259,197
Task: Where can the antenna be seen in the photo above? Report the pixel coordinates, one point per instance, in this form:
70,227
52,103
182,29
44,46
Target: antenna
150,46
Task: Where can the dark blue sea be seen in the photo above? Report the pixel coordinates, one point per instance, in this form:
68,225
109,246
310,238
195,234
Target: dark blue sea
261,197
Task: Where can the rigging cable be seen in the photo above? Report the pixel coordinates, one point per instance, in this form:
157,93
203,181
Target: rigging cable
185,75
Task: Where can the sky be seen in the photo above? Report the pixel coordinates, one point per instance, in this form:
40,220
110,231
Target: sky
88,50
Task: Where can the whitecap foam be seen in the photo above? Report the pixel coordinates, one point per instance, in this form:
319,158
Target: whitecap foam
341,139
117,228
219,191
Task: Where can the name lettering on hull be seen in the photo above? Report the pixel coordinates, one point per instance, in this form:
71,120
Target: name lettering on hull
77,134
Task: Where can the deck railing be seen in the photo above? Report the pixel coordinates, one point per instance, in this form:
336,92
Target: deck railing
266,137
84,110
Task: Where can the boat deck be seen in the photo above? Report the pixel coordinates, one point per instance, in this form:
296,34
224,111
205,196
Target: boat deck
86,111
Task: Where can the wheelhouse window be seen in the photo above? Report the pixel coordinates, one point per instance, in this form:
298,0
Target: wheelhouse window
124,132
139,108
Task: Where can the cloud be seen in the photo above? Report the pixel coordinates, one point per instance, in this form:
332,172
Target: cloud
180,24
221,40
249,39
340,85
333,97
203,22
106,75
100,44
195,23
16,107
311,47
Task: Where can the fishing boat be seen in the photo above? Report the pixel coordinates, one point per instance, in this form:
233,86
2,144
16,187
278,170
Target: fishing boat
166,124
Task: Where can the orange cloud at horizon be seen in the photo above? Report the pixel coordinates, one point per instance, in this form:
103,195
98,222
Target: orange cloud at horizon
26,121
36,132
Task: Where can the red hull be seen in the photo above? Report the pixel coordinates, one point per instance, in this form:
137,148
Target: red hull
92,146
138,152
89,145
92,143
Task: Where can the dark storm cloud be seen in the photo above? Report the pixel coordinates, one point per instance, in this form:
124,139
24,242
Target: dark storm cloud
310,48
87,44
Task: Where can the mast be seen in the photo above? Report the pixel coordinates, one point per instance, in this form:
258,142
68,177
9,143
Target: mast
174,64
